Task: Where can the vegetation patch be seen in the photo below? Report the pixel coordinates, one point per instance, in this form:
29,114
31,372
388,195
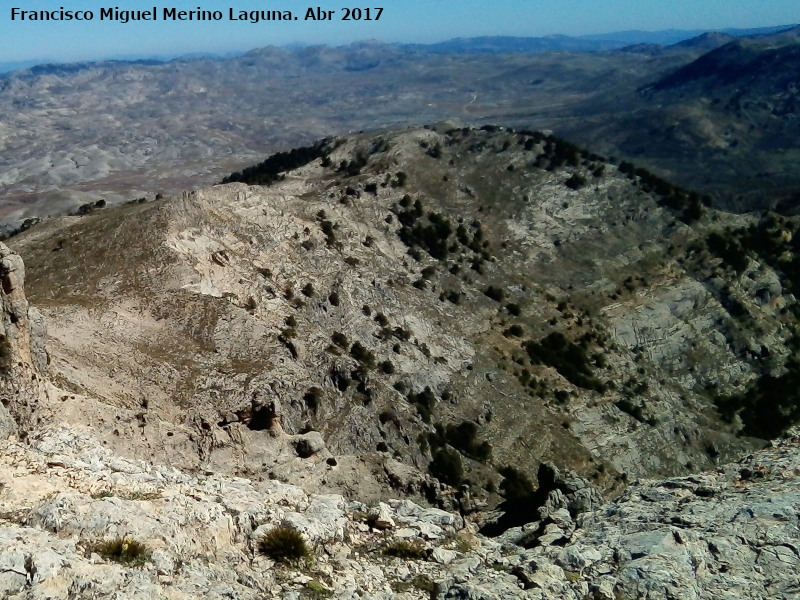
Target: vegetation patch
424,402
773,240
769,406
421,582
431,237
411,550
269,171
316,591
125,551
447,467
516,486
688,204
464,438
284,545
569,359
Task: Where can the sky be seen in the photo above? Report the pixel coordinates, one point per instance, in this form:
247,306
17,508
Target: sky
419,21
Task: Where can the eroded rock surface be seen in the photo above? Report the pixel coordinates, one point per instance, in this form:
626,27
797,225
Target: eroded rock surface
23,359
730,534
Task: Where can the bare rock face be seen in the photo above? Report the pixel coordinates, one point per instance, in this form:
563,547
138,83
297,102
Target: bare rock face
23,358
731,533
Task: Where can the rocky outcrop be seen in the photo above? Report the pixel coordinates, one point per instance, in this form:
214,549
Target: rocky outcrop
23,358
729,534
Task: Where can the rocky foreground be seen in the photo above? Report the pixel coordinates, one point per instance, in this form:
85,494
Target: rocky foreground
729,534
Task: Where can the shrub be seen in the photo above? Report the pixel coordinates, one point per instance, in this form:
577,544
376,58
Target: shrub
769,406
446,467
496,294
269,171
435,151
340,379
405,549
635,410
568,358
123,550
575,182
421,582
339,339
390,416
283,544
315,590
432,238
515,485
362,355
424,402
312,398
453,296
387,367
328,229
464,437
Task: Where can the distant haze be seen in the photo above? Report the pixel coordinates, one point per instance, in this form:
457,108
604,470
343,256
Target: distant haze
413,21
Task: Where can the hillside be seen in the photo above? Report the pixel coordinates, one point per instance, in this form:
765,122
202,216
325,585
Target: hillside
429,354
733,110
421,303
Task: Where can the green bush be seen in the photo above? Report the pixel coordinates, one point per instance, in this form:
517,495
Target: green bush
387,367
769,406
125,551
362,355
269,171
315,590
515,485
446,467
285,545
424,402
464,438
575,182
496,294
340,339
569,359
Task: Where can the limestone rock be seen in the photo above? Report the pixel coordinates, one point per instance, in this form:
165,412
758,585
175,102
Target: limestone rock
730,534
382,517
310,444
22,354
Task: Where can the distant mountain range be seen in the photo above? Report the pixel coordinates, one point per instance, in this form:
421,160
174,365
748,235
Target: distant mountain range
488,45
583,43
715,113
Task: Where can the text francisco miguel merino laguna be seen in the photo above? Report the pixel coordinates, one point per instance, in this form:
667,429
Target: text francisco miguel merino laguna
173,14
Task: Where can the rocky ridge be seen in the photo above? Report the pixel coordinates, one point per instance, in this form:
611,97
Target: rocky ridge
404,284
728,534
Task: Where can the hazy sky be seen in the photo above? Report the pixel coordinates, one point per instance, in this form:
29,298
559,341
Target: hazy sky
401,21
